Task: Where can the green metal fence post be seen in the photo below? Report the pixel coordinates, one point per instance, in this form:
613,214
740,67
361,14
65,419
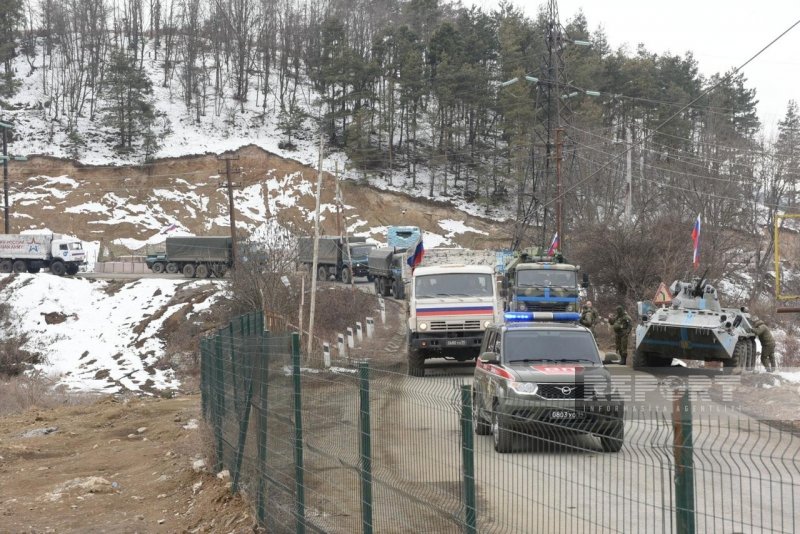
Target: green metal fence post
219,400
244,422
203,379
365,448
684,464
468,456
300,495
263,376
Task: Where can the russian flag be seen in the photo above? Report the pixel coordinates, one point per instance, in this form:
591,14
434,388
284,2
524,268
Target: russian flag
416,258
696,241
554,246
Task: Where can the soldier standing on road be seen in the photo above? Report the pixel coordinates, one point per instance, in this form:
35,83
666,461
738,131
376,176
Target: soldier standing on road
622,324
589,316
767,345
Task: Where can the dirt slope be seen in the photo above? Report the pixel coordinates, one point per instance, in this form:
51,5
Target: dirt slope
143,456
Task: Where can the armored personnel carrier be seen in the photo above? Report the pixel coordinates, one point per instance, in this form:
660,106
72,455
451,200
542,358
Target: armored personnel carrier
694,327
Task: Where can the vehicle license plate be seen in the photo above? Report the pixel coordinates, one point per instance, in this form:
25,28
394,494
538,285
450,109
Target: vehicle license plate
565,414
456,342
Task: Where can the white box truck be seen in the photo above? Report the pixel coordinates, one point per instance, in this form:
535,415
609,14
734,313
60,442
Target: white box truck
20,253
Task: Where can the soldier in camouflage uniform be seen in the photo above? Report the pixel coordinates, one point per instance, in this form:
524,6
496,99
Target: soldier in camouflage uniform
622,324
589,316
767,345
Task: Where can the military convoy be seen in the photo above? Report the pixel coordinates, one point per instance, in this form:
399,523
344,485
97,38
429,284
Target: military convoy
694,326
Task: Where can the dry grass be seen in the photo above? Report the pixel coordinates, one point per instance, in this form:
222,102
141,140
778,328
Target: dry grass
34,390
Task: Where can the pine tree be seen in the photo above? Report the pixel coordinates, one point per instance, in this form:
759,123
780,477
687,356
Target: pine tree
10,18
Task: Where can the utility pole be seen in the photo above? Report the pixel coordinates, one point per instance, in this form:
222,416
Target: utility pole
227,158
5,181
315,261
338,201
628,176
559,186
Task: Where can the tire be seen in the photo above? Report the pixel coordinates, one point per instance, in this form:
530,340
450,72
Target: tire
387,287
416,362
219,271
158,268
612,440
399,290
370,278
347,277
640,359
751,356
58,268
643,359
172,268
188,270
34,270
482,428
5,266
379,282
202,271
19,267
502,436
72,270
322,273
738,361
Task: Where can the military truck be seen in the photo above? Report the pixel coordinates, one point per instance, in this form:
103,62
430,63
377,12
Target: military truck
334,258
694,326
388,269
199,257
535,282
450,307
20,253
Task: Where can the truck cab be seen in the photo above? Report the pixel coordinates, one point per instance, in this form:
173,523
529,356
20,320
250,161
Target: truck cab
542,283
68,250
450,308
358,258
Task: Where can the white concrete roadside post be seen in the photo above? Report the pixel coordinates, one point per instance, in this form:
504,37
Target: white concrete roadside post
326,354
370,327
341,347
350,341
359,332
382,304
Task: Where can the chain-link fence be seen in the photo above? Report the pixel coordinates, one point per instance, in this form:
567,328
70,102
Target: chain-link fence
358,447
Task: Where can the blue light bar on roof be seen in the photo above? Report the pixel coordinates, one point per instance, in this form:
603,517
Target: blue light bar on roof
530,317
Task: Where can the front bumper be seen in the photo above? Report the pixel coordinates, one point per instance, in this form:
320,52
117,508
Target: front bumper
452,340
584,415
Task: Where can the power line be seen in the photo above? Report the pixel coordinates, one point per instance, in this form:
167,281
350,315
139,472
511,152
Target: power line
668,120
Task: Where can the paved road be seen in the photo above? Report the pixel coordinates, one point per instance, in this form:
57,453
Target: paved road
572,486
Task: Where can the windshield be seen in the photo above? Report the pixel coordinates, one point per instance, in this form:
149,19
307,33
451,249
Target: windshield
546,277
549,345
75,246
454,285
361,251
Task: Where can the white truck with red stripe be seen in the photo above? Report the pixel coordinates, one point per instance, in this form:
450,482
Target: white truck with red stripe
450,307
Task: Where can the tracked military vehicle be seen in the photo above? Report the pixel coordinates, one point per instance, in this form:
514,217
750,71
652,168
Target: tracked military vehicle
693,326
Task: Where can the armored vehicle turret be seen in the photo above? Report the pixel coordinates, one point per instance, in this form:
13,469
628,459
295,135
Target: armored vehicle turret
694,326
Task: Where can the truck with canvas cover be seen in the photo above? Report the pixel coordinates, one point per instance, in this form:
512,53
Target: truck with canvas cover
20,253
450,308
338,257
536,282
194,256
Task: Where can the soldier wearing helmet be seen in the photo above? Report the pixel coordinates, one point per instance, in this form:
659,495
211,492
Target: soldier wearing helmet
622,324
767,345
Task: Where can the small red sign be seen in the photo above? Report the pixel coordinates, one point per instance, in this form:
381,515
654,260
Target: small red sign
559,370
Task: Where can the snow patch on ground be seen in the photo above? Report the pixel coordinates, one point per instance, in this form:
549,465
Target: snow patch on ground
97,348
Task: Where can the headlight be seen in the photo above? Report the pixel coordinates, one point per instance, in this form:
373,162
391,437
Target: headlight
486,324
423,326
521,306
524,388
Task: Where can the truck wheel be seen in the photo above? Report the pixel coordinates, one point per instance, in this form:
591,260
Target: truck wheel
5,266
738,361
158,268
377,283
346,276
33,270
416,362
171,268
219,271
202,271
72,270
399,290
387,287
19,266
482,428
188,270
322,274
502,436
58,268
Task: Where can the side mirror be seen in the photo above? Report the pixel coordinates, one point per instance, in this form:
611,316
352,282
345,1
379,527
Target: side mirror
585,282
611,357
489,358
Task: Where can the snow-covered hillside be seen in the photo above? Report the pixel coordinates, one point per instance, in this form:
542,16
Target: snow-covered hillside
103,336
